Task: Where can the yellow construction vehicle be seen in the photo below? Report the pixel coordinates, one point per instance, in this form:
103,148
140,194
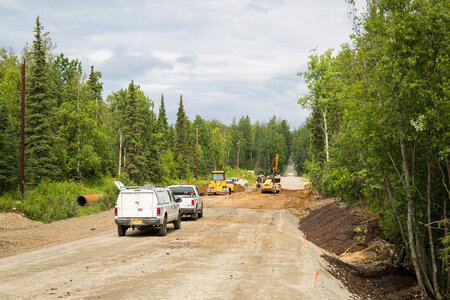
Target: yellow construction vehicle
219,185
260,179
272,181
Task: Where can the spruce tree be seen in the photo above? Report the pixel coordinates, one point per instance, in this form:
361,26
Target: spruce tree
163,126
132,130
181,143
162,118
39,132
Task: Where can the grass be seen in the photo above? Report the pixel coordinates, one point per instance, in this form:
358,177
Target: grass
52,201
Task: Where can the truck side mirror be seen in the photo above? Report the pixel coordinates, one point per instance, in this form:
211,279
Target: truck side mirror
202,194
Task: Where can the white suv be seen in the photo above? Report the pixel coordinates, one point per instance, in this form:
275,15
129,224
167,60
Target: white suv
191,201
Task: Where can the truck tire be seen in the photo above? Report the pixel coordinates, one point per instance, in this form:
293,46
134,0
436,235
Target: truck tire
177,223
229,191
274,189
200,214
194,216
121,230
163,229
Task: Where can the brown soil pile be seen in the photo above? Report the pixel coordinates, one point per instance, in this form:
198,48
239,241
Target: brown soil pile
19,234
15,221
299,202
204,188
392,284
332,227
238,188
364,268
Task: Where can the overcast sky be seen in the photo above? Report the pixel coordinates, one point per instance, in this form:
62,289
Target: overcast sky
227,57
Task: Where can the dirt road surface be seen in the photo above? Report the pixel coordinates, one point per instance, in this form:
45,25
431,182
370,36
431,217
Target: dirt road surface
290,181
255,252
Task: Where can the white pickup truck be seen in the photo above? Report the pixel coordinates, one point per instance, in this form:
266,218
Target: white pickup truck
144,206
191,201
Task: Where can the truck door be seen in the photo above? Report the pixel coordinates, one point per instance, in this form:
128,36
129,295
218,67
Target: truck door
173,205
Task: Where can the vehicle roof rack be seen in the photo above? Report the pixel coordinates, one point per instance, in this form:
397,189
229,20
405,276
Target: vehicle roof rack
120,186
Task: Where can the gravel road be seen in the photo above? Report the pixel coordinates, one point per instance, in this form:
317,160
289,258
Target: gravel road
231,253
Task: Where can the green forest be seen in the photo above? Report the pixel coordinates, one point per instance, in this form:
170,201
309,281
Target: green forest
379,128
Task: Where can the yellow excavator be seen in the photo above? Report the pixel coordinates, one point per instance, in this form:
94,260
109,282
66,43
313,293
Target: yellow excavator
272,181
218,185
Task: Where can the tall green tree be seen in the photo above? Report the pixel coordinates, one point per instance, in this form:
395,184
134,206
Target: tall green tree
40,135
181,150
163,126
132,133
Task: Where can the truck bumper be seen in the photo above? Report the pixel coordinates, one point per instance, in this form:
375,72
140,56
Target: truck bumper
187,211
138,222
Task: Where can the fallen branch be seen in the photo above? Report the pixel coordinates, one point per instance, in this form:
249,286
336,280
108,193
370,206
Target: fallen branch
351,247
373,219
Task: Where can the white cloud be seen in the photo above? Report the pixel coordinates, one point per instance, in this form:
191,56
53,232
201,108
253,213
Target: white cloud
232,54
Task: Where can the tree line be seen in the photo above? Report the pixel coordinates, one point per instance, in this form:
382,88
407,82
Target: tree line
72,133
379,128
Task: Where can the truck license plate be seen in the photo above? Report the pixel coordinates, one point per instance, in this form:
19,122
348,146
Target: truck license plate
136,221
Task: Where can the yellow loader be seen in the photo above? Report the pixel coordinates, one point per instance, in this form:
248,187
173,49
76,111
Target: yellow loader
218,185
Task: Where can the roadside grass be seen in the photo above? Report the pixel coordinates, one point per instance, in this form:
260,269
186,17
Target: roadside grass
51,201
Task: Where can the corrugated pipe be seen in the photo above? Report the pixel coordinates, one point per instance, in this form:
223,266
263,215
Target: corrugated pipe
86,199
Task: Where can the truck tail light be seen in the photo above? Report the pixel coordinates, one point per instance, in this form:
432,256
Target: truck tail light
192,202
158,211
115,211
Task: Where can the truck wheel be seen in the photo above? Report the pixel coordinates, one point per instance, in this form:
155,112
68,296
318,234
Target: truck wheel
177,223
229,191
194,216
200,214
163,229
121,230
274,189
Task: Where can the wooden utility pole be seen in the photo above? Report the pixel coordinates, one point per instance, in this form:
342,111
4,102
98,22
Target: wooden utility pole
239,154
196,157
22,133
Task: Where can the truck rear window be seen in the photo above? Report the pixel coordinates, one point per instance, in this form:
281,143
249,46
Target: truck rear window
182,190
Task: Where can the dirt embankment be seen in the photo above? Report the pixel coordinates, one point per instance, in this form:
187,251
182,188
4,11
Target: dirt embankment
19,234
363,260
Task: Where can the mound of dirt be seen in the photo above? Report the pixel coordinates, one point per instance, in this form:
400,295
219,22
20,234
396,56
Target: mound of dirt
238,188
299,202
15,221
204,188
365,260
334,228
388,284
